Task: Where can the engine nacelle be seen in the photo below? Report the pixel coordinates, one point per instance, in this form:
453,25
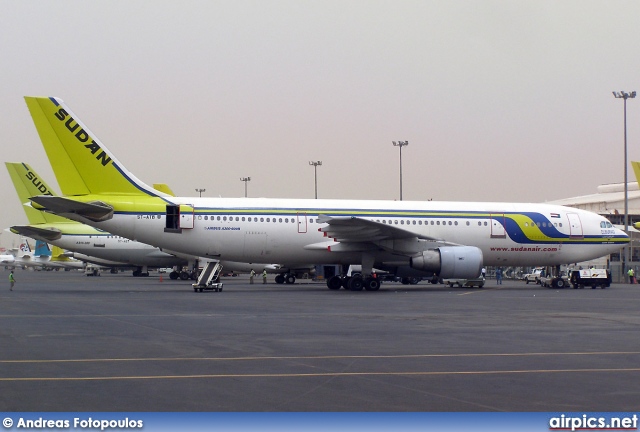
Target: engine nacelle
450,262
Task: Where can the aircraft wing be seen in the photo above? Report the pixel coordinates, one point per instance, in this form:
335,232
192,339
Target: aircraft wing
44,234
353,233
96,211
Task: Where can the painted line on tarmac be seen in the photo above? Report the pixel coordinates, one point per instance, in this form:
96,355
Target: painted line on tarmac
323,374
326,357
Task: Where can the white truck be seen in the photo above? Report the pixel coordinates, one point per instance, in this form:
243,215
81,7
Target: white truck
590,277
92,270
534,276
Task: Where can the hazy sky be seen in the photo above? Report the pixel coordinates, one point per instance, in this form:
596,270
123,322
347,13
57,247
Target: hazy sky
499,100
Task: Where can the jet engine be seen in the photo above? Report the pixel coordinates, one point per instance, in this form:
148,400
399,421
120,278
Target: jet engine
450,262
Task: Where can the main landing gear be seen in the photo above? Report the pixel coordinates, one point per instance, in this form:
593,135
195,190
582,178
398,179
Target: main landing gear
287,278
183,275
353,283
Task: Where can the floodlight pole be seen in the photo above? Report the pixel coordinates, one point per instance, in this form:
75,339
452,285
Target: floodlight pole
245,180
315,169
624,95
400,144
200,191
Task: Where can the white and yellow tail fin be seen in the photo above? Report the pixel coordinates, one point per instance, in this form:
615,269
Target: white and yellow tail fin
81,163
636,170
28,183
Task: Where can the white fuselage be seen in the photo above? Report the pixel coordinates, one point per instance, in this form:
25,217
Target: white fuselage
287,231
113,250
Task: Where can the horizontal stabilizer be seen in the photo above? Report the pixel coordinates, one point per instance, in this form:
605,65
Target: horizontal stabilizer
31,231
96,211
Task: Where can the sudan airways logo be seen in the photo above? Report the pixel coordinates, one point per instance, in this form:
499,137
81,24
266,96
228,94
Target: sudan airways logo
83,137
38,183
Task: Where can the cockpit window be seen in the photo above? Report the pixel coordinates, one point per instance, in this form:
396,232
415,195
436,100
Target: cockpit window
604,224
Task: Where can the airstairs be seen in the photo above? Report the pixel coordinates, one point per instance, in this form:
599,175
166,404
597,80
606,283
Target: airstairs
209,278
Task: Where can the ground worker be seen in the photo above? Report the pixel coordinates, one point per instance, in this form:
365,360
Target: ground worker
264,276
630,273
12,280
251,276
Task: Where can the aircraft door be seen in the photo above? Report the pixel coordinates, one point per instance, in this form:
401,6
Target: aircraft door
302,222
498,224
186,216
575,226
179,217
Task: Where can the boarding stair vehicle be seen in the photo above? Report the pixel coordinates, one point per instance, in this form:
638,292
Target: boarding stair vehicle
209,279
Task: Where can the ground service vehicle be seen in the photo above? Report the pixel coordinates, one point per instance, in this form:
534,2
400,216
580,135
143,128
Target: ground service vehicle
92,270
534,276
553,281
479,282
591,277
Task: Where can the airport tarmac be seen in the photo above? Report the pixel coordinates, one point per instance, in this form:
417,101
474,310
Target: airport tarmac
117,343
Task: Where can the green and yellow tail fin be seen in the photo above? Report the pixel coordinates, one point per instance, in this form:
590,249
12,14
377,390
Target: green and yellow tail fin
81,163
28,184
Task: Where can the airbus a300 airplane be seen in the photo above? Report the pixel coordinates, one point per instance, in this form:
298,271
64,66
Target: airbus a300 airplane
450,239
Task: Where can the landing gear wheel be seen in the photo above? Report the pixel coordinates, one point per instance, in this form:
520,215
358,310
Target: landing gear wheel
289,279
345,282
334,282
184,275
356,284
280,279
371,284
174,275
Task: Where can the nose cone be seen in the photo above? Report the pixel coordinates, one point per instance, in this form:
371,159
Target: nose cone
617,241
626,237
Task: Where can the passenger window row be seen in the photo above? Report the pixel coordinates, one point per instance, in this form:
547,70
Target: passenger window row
311,220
